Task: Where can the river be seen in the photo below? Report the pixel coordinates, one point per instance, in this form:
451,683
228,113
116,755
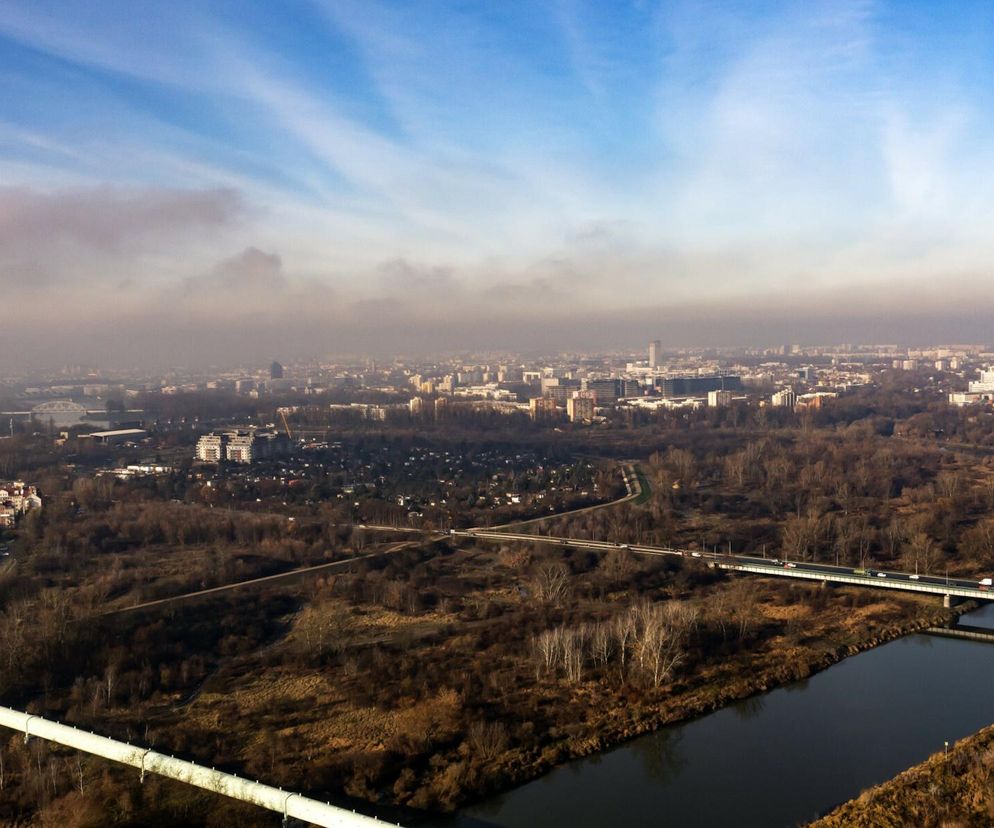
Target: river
778,759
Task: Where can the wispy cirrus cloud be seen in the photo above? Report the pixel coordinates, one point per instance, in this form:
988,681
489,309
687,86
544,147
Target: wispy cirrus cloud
530,161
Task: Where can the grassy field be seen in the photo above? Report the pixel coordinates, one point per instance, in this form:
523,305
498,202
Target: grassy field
646,489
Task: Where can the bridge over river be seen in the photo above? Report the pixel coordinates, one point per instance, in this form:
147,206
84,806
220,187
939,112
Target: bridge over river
291,804
949,588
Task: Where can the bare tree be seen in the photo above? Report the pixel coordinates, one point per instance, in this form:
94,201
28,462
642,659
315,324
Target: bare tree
737,468
545,646
719,610
979,542
617,563
659,647
623,629
684,465
552,583
487,740
601,643
894,536
79,771
948,483
572,649
743,600
844,495
865,535
923,552
110,683
801,536
12,629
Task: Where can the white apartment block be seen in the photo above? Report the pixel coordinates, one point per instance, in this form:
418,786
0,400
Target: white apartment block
784,399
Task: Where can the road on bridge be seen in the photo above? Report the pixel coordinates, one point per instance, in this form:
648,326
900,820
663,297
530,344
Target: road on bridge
881,579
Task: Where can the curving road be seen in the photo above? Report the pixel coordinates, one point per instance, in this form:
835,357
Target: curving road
633,485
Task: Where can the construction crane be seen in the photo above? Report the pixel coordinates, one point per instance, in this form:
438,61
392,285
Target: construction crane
286,425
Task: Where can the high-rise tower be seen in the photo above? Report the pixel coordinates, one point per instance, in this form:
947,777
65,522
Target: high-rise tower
654,351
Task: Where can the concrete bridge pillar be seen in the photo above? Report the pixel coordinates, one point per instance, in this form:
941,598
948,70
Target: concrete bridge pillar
948,601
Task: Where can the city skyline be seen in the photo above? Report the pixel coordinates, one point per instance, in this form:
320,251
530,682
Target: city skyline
334,177
459,412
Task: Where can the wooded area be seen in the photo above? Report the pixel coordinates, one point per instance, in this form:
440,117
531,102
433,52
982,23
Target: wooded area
422,678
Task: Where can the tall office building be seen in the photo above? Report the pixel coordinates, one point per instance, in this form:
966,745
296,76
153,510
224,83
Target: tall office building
699,386
606,391
276,371
654,352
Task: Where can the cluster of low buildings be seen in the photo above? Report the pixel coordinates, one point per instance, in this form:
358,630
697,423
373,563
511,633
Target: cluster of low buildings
789,398
16,498
979,391
134,471
579,398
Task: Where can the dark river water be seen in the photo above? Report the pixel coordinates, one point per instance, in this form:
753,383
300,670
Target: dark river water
779,759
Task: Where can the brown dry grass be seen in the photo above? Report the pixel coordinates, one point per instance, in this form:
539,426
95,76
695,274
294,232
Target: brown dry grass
944,791
338,725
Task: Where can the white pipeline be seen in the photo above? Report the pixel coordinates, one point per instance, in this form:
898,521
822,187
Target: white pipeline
287,803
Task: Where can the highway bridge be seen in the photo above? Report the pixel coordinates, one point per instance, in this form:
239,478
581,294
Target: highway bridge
949,588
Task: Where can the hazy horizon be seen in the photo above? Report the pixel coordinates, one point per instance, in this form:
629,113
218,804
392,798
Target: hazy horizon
249,180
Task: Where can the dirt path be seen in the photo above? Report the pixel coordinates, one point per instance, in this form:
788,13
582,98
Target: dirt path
269,580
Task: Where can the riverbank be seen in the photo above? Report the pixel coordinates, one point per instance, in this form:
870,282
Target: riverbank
425,711
947,789
835,639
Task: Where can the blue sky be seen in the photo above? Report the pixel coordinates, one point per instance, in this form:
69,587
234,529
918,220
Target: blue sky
503,160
